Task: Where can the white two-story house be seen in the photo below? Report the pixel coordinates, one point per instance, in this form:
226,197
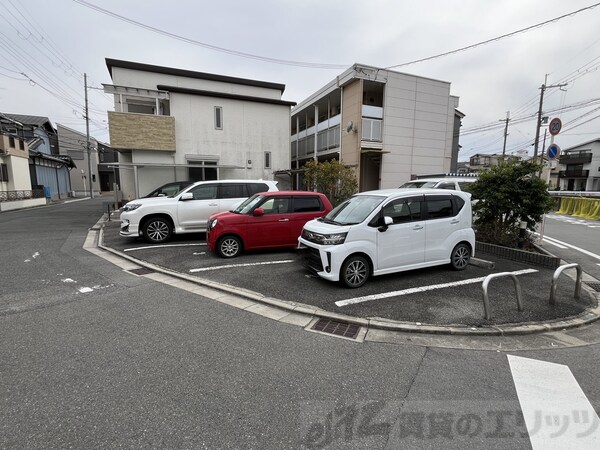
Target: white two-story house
173,125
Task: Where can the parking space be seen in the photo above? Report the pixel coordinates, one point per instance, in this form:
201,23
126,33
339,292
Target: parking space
436,295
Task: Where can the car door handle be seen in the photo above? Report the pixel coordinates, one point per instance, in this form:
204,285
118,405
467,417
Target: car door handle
418,227
284,220
213,204
455,221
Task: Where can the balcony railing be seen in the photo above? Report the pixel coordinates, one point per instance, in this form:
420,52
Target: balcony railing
581,157
13,196
371,129
577,173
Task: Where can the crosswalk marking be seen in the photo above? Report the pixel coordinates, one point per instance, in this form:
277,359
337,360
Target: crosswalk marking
557,413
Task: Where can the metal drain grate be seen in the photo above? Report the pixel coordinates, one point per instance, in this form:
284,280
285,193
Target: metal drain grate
347,330
141,271
594,286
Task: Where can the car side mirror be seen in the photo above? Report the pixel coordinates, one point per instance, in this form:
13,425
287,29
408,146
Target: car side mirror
385,222
258,212
187,196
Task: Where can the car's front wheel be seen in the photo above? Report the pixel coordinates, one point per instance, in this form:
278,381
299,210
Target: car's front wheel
229,247
355,271
157,230
460,257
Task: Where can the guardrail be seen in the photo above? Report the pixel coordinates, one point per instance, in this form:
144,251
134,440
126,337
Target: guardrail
586,208
486,300
557,273
13,196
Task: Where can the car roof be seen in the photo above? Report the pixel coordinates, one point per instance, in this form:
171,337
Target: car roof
406,192
471,179
297,193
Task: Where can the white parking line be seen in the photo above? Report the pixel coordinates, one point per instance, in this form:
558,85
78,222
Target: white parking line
554,240
368,298
160,246
229,266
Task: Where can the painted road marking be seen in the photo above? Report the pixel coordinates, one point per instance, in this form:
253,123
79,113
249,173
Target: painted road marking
368,298
160,246
593,255
553,243
557,413
230,266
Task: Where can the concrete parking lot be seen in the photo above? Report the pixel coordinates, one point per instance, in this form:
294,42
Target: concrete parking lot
437,295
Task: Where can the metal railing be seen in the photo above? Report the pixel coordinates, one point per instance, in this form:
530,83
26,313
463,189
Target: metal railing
557,273
13,196
486,300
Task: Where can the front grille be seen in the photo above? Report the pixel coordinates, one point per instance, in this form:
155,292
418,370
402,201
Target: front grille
312,259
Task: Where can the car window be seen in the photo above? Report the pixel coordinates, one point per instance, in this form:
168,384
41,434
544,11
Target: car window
354,210
255,188
447,186
276,205
403,210
230,190
307,204
439,207
204,192
418,184
458,203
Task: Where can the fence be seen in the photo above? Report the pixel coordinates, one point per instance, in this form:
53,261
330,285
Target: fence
13,196
586,208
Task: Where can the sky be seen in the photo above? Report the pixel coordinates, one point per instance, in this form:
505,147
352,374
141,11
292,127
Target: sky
47,46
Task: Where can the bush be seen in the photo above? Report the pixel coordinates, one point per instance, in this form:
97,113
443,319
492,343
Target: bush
507,195
332,178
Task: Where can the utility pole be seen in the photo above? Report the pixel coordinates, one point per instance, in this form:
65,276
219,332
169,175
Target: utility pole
505,133
539,118
87,137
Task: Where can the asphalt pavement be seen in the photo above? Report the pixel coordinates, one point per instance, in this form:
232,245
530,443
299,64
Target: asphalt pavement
437,300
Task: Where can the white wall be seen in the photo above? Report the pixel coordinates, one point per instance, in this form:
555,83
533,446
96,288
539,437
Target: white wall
417,128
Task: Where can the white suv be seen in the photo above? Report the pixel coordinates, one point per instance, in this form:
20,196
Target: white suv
387,231
188,211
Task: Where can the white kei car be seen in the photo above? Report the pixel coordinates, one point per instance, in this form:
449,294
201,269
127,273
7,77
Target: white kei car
387,231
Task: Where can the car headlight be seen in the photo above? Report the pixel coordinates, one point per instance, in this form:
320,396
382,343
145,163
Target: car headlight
212,223
131,206
324,239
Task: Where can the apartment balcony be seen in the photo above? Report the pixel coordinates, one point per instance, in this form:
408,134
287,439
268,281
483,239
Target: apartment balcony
582,157
141,131
573,173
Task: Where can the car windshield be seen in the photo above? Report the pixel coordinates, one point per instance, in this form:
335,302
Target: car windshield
418,184
168,190
354,210
248,205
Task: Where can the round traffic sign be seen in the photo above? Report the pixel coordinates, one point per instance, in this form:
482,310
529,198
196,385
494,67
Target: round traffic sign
553,151
555,126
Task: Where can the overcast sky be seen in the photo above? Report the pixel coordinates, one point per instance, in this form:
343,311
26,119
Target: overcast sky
54,42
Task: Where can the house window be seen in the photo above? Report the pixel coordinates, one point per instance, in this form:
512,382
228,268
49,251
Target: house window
3,172
21,145
11,142
218,117
267,160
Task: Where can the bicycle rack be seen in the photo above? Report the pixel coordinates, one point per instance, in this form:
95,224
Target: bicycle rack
486,300
557,273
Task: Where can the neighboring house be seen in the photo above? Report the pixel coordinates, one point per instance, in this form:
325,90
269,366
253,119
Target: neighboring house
109,175
579,167
48,170
173,125
390,126
73,144
481,161
15,185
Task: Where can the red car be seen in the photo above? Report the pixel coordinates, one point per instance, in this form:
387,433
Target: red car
265,220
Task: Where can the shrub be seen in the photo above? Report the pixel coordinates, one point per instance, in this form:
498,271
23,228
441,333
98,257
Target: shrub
507,195
332,178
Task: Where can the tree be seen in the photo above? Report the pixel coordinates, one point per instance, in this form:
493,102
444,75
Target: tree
506,195
332,178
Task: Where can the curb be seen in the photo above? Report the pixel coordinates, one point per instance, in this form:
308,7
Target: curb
589,316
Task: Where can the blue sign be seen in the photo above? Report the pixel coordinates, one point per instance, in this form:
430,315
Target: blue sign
553,151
